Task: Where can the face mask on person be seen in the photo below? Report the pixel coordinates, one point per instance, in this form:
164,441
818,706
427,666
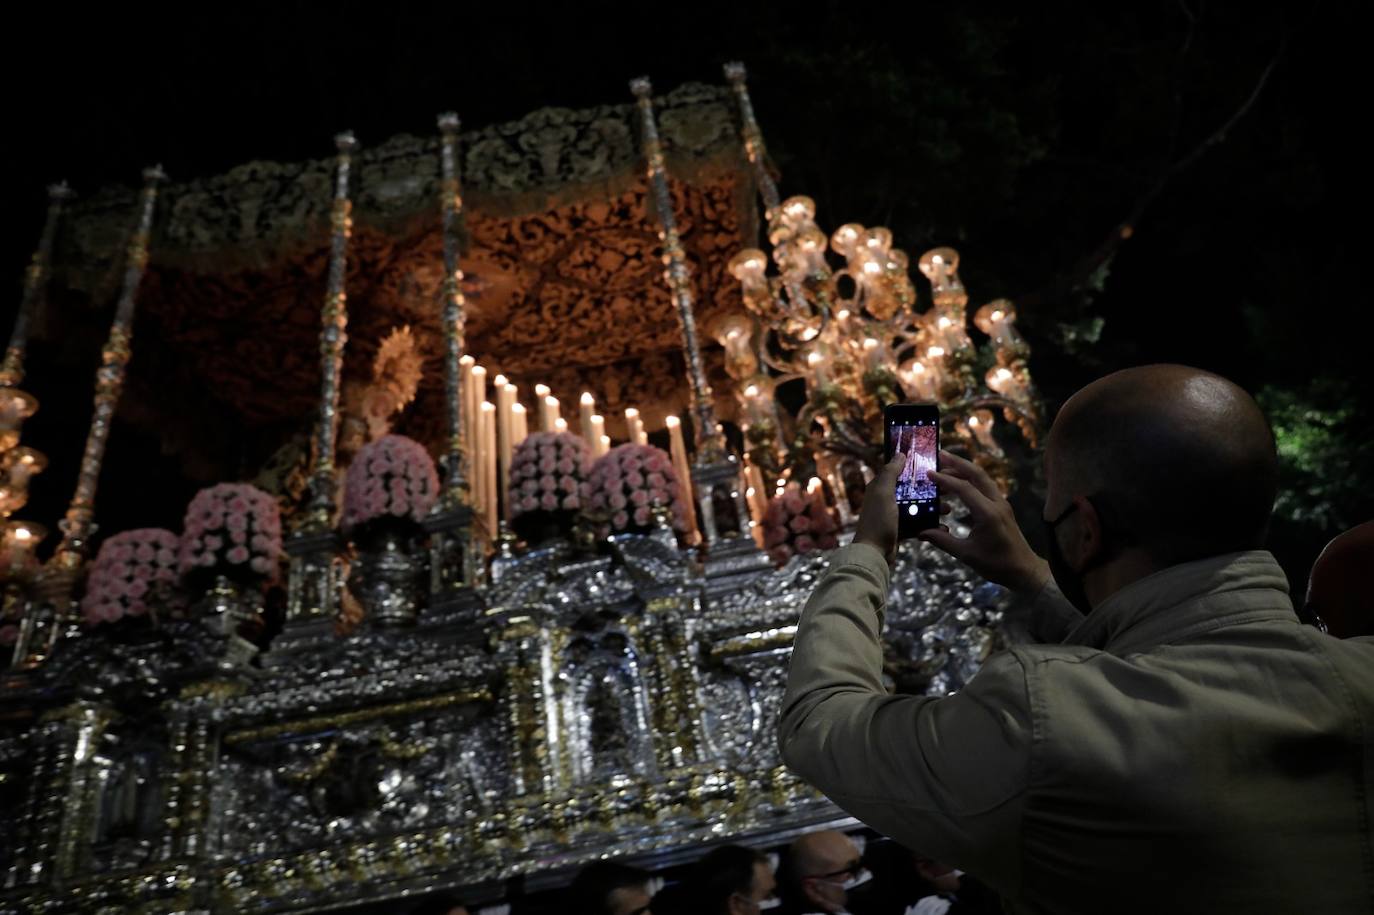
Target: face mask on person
1069,581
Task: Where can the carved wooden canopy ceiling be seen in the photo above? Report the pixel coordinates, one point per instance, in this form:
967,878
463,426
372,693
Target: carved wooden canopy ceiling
561,255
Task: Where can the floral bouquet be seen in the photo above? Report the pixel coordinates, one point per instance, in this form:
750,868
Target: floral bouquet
135,572
392,479
627,482
797,522
547,472
232,529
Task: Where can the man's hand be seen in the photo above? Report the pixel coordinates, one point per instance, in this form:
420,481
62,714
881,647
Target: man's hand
995,547
878,517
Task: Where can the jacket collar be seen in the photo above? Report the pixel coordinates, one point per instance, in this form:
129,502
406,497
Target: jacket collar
1181,601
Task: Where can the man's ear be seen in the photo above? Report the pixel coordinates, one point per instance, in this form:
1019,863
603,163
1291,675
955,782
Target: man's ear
1089,547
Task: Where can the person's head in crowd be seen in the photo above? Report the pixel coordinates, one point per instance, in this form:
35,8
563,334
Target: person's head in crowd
734,880
1151,467
609,888
823,870
1342,581
441,905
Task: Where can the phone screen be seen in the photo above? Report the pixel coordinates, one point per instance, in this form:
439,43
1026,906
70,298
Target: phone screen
914,430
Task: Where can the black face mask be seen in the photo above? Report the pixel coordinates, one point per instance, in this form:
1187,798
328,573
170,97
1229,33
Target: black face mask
1069,581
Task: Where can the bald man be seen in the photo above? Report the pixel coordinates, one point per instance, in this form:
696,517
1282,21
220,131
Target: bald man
1177,741
823,867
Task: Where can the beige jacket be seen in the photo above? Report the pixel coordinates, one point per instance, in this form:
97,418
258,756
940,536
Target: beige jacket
1189,746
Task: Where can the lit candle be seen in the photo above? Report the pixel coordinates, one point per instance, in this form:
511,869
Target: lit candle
635,427
520,426
980,424
560,425
551,415
477,392
541,391
918,381
598,434
489,457
603,445
816,363
505,401
682,467
586,409
1003,380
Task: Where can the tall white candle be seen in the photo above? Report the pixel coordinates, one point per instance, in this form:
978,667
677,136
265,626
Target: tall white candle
520,424
634,427
598,433
586,409
488,451
551,415
541,410
477,392
603,445
678,448
505,400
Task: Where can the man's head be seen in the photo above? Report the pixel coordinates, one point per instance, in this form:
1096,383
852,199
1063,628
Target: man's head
824,866
1151,467
1342,580
734,880
608,888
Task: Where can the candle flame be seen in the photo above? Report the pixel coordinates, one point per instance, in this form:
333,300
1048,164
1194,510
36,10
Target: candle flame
488,407
561,424
598,418
631,412
517,408
23,533
996,314
672,421
587,398
501,381
466,360
541,390
935,352
551,401
813,485
751,391
814,359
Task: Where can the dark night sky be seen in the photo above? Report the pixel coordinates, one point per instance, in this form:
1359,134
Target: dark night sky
1244,263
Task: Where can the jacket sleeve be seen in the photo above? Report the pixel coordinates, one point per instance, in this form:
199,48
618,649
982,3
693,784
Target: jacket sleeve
944,776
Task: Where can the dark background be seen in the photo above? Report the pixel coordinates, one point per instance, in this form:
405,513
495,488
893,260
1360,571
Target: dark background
1224,136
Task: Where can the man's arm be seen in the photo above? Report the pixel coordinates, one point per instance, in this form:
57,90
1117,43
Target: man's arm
943,776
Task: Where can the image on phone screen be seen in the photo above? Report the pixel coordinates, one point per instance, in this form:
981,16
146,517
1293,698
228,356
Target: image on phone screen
915,432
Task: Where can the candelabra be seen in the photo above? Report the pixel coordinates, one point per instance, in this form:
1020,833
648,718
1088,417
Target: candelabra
716,473
315,574
853,338
453,550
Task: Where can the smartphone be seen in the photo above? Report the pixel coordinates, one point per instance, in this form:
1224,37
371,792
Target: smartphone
914,430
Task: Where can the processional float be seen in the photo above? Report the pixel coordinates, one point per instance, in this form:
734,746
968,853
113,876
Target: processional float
559,649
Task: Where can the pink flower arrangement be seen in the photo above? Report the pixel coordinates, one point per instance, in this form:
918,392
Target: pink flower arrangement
628,481
797,522
393,477
231,528
546,473
134,572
